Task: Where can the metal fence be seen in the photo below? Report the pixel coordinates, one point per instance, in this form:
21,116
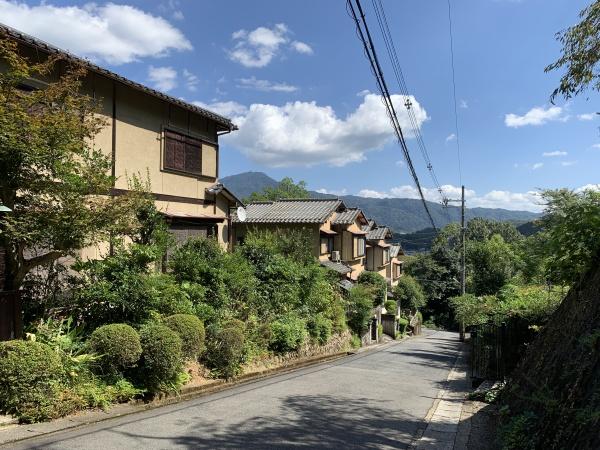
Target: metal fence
11,318
496,349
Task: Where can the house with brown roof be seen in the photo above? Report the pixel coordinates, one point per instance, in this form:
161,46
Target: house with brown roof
337,238
382,257
396,267
148,132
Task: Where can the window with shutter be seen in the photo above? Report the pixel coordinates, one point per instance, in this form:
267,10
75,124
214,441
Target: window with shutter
183,153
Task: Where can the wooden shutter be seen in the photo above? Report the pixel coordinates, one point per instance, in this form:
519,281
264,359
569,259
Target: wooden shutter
193,153
174,151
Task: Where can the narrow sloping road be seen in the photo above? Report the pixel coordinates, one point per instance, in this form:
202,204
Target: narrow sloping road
376,399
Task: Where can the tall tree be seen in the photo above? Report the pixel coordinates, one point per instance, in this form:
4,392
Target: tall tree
571,225
580,54
54,182
285,189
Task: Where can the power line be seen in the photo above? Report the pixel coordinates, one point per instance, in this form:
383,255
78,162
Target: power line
416,129
454,93
371,54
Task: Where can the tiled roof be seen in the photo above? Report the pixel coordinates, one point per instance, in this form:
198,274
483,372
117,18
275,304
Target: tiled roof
346,284
337,266
221,188
369,226
395,250
346,217
379,233
225,124
290,211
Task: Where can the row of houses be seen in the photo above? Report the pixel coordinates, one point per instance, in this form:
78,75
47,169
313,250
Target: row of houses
176,144
343,238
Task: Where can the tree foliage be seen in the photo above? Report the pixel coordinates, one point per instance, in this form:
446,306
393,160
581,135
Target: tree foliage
409,293
580,54
285,189
54,181
571,225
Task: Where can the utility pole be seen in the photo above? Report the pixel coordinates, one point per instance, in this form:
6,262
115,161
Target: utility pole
463,266
463,269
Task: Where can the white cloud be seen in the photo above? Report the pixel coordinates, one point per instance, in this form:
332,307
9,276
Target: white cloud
529,201
191,80
227,109
400,163
588,187
568,163
306,134
537,166
302,47
265,85
596,146
587,116
337,192
258,47
370,193
162,78
363,93
463,104
535,116
555,153
451,137
113,33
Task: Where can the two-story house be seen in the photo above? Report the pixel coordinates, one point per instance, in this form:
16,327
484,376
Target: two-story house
172,142
337,239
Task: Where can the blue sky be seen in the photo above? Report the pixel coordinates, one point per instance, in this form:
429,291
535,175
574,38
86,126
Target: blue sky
293,75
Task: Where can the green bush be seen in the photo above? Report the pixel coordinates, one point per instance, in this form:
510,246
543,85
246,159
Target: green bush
360,308
319,328
379,331
225,348
408,293
162,359
118,345
402,325
288,334
191,331
355,341
377,283
337,314
30,373
391,306
166,296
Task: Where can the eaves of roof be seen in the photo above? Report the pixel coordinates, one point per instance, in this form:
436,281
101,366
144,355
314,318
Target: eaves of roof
224,123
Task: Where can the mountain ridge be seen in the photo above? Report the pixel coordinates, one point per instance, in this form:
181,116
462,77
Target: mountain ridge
402,215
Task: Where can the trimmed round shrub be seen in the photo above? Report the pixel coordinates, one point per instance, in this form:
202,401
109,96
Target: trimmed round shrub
391,306
225,348
191,331
118,344
162,359
287,334
319,328
30,373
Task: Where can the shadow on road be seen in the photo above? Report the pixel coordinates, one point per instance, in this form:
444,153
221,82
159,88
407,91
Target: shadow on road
302,421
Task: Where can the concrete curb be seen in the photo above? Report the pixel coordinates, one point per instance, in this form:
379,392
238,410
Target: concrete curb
15,433
443,418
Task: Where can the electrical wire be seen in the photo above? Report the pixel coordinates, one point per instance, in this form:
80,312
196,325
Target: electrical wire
454,93
414,124
371,55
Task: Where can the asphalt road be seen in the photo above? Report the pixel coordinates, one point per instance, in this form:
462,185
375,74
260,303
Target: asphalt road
376,399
